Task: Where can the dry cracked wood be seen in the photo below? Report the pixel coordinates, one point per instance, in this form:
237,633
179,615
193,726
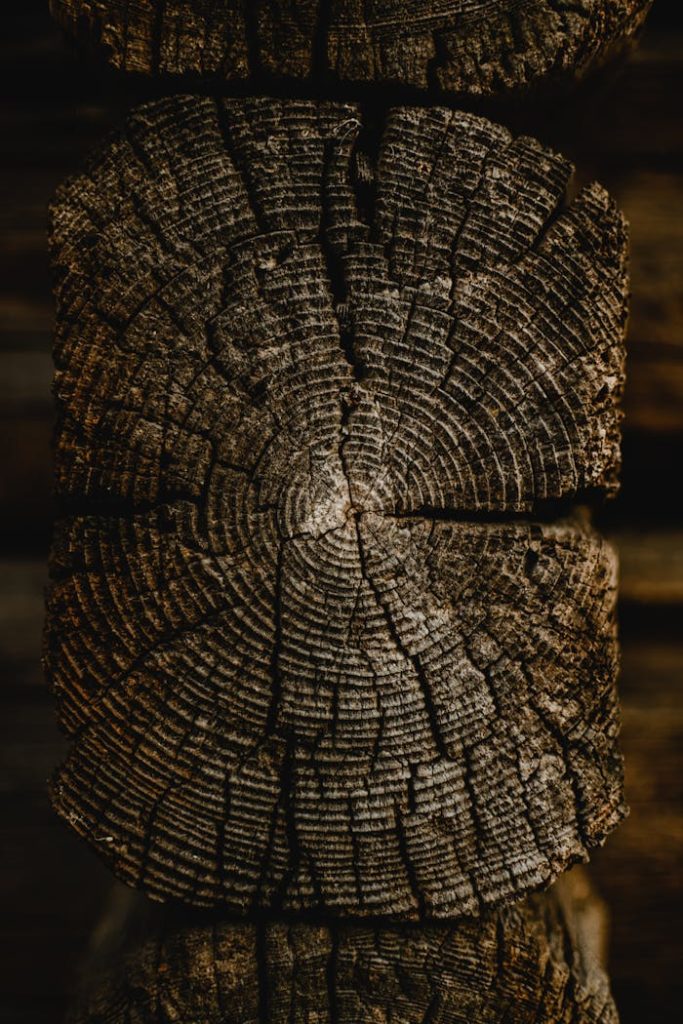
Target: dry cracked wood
538,962
318,386
464,47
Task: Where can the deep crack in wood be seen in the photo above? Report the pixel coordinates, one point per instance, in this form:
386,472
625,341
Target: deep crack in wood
312,646
537,961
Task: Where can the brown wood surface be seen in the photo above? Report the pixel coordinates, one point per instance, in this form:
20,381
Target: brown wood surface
626,133
460,47
52,886
539,960
312,639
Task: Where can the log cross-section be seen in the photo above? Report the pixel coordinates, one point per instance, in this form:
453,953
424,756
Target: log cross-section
313,629
473,48
539,960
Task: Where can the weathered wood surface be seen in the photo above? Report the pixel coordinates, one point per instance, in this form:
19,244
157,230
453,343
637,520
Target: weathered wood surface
463,47
538,961
300,627
51,901
653,397
627,133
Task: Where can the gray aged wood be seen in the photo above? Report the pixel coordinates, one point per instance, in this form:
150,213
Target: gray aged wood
320,386
465,47
538,961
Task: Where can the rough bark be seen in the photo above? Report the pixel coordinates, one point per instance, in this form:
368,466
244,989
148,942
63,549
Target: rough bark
538,962
465,47
319,387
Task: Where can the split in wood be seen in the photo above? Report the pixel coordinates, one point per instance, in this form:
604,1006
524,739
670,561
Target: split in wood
539,960
313,630
458,47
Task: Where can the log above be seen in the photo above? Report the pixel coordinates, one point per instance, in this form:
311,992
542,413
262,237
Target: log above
460,47
322,386
538,962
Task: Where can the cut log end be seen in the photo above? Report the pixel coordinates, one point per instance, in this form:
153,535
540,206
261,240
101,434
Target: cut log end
538,961
312,627
459,47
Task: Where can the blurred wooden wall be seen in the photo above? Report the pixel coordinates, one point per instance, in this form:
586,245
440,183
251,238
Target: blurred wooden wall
624,129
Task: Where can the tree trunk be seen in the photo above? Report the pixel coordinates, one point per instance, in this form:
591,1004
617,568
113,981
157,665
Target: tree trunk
460,47
323,626
539,960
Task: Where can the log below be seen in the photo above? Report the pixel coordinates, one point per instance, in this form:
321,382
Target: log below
538,962
312,628
460,47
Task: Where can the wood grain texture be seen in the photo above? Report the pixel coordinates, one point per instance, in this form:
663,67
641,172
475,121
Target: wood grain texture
464,47
539,961
310,641
644,970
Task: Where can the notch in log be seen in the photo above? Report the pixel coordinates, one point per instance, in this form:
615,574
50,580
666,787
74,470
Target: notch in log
323,625
475,48
538,961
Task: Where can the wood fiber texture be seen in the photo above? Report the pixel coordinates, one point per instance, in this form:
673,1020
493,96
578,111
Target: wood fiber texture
310,629
463,47
536,961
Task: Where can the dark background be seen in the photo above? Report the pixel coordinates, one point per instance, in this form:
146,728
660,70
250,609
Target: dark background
624,128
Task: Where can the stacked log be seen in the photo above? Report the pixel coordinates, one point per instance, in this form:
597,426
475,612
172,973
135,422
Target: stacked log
538,960
329,627
462,48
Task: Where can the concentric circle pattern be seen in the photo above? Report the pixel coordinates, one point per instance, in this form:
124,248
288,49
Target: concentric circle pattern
518,965
316,384
476,48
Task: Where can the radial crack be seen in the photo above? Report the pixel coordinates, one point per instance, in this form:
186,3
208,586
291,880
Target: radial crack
412,659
